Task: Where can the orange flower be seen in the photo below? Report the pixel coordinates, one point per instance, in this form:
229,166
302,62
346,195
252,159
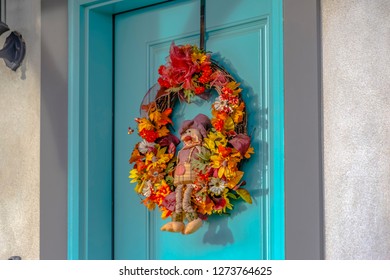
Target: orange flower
219,115
206,208
224,151
162,191
218,124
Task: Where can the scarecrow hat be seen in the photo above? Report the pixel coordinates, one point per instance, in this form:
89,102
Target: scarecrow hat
200,122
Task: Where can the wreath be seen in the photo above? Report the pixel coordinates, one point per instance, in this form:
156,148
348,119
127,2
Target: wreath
216,179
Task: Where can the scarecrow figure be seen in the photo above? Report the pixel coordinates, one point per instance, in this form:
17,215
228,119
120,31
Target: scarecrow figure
191,133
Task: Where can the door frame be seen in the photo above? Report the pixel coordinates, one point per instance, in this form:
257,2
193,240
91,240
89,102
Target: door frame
90,127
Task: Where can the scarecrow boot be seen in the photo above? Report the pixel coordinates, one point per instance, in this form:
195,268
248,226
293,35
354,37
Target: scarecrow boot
177,224
194,222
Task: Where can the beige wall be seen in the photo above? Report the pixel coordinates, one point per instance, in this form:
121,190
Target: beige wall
356,100
19,137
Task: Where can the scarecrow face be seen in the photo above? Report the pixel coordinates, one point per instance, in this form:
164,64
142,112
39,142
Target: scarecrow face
191,135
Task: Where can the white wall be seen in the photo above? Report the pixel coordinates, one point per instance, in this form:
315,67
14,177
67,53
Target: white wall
356,98
19,137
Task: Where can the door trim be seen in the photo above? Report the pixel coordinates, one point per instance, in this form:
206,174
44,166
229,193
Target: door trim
90,134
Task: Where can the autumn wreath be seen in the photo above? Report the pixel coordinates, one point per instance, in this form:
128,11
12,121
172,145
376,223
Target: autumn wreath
191,73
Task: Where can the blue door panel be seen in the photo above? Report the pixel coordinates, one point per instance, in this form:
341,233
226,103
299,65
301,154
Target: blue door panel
238,34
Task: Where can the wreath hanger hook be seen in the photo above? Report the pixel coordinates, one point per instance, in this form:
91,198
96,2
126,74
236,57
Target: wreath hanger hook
202,24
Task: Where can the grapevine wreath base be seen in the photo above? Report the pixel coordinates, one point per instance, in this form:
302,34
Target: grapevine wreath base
204,177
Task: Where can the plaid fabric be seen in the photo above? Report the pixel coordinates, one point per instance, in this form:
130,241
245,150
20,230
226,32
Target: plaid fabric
187,178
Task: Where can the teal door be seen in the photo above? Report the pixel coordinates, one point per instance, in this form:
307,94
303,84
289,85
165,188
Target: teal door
239,34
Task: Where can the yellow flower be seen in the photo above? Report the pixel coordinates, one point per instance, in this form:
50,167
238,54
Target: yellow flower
238,114
149,158
198,57
136,178
227,166
214,140
134,175
158,160
229,124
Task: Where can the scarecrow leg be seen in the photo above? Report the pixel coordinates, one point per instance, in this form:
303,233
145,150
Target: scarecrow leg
177,224
177,216
187,203
194,223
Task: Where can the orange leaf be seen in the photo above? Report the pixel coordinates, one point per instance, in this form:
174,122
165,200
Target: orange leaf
159,118
135,155
148,107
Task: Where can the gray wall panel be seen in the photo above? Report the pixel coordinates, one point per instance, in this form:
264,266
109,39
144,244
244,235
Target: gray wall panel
54,129
303,143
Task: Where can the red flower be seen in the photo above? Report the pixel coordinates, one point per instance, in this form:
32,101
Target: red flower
163,83
199,90
206,74
148,135
204,79
234,100
161,69
219,203
206,69
227,91
180,68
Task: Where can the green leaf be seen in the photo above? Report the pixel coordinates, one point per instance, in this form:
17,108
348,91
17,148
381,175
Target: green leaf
188,94
244,195
169,180
204,154
170,167
198,164
174,89
232,195
203,160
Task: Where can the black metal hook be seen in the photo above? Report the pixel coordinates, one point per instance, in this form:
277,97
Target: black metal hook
202,24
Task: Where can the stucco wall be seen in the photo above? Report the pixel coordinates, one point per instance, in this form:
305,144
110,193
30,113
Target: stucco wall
356,96
19,137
